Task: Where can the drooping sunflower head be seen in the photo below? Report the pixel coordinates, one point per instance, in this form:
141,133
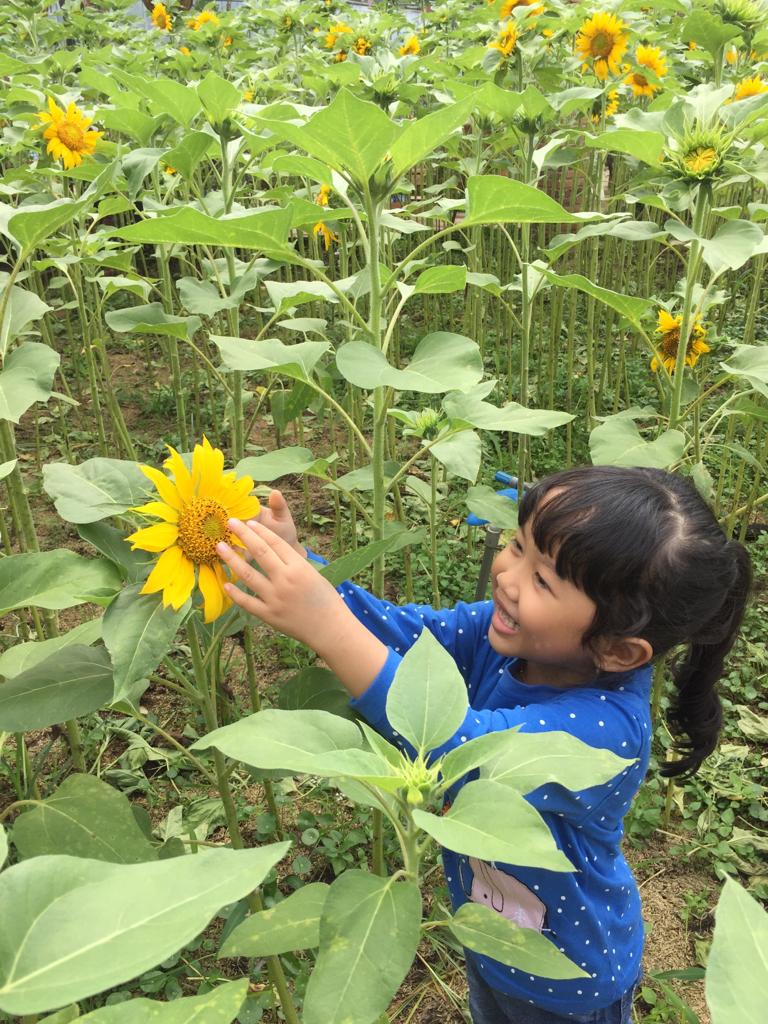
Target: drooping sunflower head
754,86
601,42
362,46
699,154
747,14
194,506
669,342
321,228
68,133
161,18
506,41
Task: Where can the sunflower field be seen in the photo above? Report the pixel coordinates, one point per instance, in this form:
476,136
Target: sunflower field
371,255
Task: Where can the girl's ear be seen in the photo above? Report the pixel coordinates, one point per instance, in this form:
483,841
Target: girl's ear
624,654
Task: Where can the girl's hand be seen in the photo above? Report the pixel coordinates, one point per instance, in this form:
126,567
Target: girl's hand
292,597
276,516
288,594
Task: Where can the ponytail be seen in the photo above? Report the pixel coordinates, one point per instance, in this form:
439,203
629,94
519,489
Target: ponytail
696,715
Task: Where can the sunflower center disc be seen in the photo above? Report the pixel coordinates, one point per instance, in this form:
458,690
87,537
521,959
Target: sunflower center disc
202,524
602,44
71,136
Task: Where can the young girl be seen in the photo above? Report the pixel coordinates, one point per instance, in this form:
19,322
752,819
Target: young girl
610,568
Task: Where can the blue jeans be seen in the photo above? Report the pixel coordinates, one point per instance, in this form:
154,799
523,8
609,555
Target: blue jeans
489,1006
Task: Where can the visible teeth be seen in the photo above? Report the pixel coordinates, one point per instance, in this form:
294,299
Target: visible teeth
507,619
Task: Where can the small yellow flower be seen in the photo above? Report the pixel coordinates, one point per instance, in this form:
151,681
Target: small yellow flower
612,105
731,55
227,41
339,29
328,236
669,329
506,41
161,18
68,133
602,41
322,196
169,170
411,47
547,33
185,50
194,508
340,56
692,45
747,87
203,18
248,95
362,46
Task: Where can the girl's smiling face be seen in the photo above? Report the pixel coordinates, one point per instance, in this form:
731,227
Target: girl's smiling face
539,616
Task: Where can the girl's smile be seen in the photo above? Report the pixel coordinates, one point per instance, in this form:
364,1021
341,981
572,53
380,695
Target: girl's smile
540,617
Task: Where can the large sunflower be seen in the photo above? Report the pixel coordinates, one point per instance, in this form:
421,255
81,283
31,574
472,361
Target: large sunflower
506,41
669,329
194,508
601,41
68,134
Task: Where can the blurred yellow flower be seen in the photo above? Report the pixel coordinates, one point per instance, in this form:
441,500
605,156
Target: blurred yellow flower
185,50
506,41
322,196
203,18
328,236
731,55
602,41
68,133
169,170
754,86
161,18
669,329
510,5
362,46
340,56
248,95
194,507
411,47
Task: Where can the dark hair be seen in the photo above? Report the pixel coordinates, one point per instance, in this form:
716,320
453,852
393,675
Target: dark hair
647,549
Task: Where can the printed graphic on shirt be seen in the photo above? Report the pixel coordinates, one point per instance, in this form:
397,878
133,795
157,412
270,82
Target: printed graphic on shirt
506,895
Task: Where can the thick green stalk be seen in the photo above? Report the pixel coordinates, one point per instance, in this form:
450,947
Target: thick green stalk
691,280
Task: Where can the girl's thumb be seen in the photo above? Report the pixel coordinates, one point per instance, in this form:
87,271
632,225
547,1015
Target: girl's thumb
277,504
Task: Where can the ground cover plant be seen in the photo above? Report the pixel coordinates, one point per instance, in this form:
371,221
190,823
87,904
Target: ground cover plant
370,255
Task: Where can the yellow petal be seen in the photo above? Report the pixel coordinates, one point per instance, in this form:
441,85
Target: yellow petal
181,475
164,487
247,508
211,588
154,538
180,588
207,464
165,571
159,509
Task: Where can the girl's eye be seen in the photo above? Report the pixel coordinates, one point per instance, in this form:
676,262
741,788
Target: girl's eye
516,546
541,581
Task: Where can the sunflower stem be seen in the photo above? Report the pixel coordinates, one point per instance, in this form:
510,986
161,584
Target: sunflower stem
691,279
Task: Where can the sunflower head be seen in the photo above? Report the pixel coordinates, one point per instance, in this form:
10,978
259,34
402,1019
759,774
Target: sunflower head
509,7
203,18
754,86
669,342
161,18
601,42
699,154
68,133
506,41
362,46
194,507
323,195
411,47
321,228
